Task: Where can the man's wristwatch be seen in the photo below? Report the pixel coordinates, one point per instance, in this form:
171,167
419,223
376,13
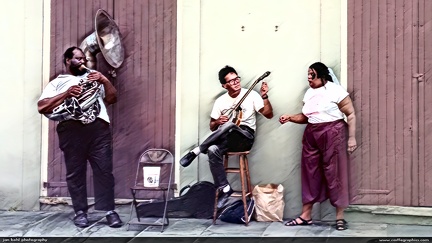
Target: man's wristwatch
264,96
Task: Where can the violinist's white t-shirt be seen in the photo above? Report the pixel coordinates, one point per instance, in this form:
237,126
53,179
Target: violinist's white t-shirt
252,104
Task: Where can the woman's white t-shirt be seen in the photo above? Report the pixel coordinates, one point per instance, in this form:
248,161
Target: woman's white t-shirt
321,104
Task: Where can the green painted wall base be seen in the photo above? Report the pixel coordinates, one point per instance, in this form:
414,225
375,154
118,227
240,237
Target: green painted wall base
389,214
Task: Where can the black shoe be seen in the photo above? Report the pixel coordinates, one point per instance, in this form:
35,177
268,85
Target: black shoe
187,159
114,220
223,198
80,219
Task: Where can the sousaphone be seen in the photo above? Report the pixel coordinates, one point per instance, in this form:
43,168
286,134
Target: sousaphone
106,39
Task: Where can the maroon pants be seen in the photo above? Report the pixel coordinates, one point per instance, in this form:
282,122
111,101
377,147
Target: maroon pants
325,163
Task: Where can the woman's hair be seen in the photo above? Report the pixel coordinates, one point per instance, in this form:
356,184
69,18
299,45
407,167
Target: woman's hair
224,71
322,71
69,53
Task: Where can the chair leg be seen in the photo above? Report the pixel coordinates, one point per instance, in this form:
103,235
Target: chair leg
130,215
243,188
249,185
131,210
135,203
164,216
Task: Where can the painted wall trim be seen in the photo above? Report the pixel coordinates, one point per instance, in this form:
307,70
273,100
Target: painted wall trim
45,80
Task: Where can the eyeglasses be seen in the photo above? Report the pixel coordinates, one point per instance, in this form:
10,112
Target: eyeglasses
234,80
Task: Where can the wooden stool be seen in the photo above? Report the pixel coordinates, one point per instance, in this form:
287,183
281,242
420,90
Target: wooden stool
246,187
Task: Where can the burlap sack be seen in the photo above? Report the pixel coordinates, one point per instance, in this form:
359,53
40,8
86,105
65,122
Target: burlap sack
269,203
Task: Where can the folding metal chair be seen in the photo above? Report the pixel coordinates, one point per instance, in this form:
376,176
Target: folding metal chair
151,176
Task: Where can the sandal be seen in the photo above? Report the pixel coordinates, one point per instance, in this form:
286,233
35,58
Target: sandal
341,224
293,222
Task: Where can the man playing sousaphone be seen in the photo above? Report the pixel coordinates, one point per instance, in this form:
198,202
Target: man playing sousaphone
227,135
84,133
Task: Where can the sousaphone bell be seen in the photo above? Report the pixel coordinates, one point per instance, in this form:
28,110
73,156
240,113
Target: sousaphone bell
106,39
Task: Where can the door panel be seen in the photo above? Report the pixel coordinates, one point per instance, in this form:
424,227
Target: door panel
144,115
425,99
387,46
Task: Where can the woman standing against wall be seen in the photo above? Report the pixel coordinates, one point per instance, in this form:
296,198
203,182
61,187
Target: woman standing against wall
326,141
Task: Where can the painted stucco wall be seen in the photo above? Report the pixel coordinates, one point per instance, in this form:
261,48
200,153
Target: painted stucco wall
209,37
254,36
21,28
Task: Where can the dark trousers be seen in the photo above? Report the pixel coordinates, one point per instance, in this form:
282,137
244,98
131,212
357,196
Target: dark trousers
93,143
227,138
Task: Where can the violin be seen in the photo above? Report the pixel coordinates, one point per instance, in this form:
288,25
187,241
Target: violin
236,111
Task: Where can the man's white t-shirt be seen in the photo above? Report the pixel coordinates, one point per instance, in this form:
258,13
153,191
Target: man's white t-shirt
63,82
252,104
321,104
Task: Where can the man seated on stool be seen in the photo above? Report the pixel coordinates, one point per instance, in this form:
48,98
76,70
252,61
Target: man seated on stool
226,135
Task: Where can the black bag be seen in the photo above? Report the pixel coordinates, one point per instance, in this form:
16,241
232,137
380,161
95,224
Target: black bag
234,213
196,201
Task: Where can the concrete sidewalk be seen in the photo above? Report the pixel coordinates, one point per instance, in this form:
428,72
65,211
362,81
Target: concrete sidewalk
59,224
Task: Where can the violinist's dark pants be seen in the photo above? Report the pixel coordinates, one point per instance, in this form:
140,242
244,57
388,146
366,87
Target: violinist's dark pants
93,143
227,138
